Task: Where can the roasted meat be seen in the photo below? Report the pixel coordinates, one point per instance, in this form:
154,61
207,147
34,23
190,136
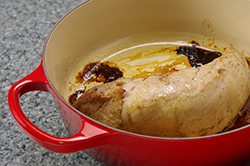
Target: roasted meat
190,102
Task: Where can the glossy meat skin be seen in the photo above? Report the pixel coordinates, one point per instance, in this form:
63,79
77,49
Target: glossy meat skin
191,102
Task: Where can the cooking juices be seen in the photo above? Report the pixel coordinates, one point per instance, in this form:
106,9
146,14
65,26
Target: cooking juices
103,72
147,55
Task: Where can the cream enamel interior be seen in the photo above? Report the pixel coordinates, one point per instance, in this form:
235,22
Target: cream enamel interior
97,24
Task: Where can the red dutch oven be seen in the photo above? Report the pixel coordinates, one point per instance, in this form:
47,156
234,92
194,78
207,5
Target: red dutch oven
93,25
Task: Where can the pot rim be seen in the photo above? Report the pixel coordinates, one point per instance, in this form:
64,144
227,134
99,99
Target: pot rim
109,127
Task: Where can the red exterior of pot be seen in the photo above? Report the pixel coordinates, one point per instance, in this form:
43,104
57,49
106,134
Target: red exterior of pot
113,147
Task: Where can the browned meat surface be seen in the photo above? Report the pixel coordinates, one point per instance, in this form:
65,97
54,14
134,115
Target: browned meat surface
103,103
191,102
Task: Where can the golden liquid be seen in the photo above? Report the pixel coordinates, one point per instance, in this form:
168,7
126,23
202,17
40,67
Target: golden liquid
145,55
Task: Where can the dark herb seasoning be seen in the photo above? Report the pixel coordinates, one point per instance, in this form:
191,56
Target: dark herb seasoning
75,96
99,72
198,56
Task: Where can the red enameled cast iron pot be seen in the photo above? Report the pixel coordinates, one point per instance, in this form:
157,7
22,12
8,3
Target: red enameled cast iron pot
93,25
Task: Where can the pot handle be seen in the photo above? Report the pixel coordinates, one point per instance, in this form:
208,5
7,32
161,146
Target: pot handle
89,136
